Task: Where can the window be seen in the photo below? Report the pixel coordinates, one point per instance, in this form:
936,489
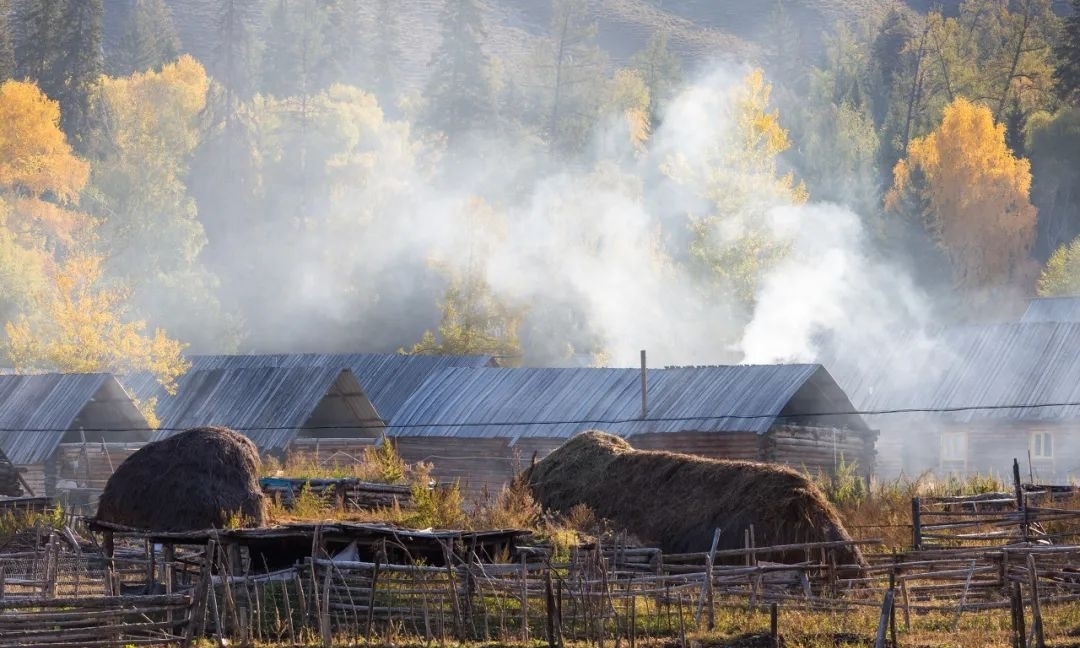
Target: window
1041,445
953,446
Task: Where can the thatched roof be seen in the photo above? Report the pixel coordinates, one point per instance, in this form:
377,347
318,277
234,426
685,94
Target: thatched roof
201,478
676,501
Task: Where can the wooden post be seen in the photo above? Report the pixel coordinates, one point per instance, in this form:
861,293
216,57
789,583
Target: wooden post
324,612
1036,606
883,620
916,524
549,609
371,596
1019,632
1021,505
774,634
708,575
524,599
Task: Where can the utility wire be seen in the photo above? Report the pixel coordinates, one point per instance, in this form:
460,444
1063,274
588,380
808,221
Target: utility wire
380,424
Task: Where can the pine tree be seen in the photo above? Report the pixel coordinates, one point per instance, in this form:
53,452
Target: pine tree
233,64
459,92
577,69
661,70
149,40
79,66
385,52
58,46
295,51
36,41
1067,52
7,48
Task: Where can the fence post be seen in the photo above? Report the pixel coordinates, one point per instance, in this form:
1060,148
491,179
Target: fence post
1021,505
916,524
774,634
1036,607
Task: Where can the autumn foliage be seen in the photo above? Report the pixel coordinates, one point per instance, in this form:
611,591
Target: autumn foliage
972,193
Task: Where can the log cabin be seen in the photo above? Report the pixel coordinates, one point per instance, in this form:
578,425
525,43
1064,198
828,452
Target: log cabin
481,426
970,399
318,411
51,423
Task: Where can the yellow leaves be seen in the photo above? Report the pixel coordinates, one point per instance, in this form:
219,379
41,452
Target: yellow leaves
972,193
1061,276
761,136
35,158
156,112
78,327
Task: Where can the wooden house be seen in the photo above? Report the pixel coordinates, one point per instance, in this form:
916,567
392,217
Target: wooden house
319,407
301,409
50,424
480,426
973,398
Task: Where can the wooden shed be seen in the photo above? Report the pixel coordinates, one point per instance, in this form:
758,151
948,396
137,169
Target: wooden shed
51,423
480,426
972,398
295,409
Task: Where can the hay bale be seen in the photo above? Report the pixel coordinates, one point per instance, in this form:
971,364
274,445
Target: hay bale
675,502
201,478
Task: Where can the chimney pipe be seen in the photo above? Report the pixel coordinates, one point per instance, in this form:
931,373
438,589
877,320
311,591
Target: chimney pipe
644,387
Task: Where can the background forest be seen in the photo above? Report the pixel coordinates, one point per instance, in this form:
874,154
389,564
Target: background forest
553,183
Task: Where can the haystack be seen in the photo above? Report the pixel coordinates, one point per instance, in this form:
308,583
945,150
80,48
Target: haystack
676,502
201,478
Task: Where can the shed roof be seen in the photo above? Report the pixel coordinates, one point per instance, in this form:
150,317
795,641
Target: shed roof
1017,370
271,405
388,379
1052,309
558,403
38,411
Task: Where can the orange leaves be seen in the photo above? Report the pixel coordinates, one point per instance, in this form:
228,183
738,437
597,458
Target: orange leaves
973,194
35,158
78,327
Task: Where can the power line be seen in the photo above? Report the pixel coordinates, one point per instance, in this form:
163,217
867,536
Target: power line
383,424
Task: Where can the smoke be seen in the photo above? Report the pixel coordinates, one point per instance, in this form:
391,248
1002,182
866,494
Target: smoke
595,252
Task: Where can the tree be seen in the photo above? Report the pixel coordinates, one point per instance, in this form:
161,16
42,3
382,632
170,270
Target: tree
37,41
1061,276
79,327
738,179
474,320
971,193
628,96
660,69
1053,144
149,39
40,176
1067,53
78,66
233,64
574,66
7,46
150,231
295,51
458,91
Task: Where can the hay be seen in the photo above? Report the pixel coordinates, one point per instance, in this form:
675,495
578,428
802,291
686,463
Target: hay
675,502
201,478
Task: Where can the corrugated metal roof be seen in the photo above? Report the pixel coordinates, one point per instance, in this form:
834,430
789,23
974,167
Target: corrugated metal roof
1052,309
270,405
36,411
1010,370
388,379
558,403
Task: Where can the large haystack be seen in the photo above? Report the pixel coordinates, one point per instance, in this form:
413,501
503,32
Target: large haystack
201,478
676,501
